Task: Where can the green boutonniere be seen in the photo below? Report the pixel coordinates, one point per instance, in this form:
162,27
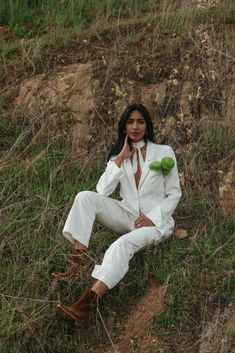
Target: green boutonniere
164,166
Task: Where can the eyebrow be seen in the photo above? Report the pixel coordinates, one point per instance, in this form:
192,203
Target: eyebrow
139,119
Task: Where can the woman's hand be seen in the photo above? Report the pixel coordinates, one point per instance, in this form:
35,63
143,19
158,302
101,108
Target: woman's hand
143,221
126,152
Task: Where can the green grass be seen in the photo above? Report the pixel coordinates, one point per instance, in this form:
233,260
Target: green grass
216,143
28,17
36,201
40,177
50,26
20,14
199,278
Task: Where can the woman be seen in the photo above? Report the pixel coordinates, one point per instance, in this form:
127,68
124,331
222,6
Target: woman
143,217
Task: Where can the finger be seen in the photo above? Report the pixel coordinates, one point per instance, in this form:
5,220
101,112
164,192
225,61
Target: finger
141,218
139,222
126,138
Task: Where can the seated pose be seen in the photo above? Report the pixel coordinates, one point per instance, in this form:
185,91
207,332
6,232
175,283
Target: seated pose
143,216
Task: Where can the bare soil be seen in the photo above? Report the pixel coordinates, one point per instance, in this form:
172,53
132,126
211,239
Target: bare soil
138,329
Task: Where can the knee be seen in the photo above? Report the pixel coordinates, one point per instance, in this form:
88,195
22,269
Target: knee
122,244
84,196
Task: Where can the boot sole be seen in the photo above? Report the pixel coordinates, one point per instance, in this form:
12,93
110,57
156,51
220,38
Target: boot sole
71,316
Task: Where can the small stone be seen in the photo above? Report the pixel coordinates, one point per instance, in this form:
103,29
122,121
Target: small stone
181,233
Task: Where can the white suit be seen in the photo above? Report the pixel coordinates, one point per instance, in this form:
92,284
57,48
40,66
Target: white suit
156,197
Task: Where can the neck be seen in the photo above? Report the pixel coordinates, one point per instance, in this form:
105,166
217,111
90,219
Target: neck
138,144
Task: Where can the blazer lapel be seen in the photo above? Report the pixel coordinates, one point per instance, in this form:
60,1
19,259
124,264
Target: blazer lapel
149,157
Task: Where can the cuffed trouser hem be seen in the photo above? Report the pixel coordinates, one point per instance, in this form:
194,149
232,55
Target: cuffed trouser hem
101,275
72,238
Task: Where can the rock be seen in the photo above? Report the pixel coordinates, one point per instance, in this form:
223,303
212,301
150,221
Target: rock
28,95
181,233
126,93
153,94
206,4
65,99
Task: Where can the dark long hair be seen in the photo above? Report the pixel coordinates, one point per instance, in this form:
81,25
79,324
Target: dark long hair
116,149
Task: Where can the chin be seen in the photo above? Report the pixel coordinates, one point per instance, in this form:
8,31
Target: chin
137,139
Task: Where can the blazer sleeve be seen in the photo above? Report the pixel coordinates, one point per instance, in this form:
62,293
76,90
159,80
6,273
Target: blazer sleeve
109,179
161,213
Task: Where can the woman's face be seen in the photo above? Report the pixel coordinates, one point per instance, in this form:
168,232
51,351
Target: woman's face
135,126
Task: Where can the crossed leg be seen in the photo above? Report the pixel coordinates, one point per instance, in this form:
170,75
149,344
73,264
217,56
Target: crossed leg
87,207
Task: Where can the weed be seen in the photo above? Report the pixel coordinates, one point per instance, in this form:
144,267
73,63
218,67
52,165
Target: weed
216,143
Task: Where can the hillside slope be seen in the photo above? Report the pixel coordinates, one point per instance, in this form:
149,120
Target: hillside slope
63,88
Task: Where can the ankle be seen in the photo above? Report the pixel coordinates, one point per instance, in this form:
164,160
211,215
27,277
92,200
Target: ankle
79,247
99,288
79,251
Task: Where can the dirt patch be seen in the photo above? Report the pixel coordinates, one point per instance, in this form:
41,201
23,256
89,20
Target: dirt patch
69,92
137,334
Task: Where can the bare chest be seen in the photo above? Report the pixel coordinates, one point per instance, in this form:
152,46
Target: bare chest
138,173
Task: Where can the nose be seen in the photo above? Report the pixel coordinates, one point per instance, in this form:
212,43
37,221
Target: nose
135,125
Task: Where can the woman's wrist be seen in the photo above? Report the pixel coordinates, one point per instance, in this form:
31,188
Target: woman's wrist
119,160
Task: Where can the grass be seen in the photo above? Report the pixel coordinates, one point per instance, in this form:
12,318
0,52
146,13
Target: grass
26,17
20,14
39,177
36,201
198,273
58,23
32,242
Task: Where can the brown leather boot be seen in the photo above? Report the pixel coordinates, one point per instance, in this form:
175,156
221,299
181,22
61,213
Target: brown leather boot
81,311
75,269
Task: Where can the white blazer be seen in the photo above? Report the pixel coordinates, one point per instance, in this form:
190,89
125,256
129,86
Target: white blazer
157,195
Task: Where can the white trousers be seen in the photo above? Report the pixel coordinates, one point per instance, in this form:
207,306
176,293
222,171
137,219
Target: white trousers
90,206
